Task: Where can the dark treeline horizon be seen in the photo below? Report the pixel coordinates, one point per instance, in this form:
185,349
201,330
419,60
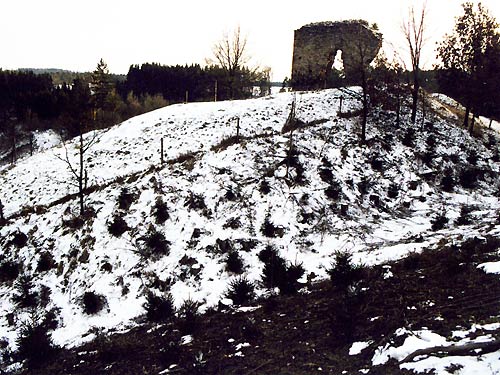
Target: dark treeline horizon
53,99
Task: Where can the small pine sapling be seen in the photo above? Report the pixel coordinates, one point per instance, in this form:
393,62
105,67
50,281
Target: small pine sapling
160,211
9,271
264,187
45,262
234,262
125,199
334,190
465,217
240,291
439,221
34,342
343,272
468,178
268,228
25,296
448,181
409,137
19,239
393,190
159,308
154,244
188,317
92,302
117,226
278,274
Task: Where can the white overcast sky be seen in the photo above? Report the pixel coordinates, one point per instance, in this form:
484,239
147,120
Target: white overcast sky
75,34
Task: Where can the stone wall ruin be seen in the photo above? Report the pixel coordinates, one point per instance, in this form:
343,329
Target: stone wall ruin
316,45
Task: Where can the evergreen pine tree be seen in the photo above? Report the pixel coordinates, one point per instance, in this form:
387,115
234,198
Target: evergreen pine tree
101,87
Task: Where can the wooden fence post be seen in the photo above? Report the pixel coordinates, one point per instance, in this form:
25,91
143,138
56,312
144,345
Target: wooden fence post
237,129
398,111
161,151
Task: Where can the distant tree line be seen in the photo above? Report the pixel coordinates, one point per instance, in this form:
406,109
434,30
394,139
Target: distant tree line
61,76
199,83
32,101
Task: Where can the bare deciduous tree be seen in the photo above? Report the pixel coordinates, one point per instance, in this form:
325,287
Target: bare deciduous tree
77,169
359,67
230,53
80,113
414,30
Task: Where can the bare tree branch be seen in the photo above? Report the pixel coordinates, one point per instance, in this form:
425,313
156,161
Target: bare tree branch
413,30
230,52
466,349
66,160
231,55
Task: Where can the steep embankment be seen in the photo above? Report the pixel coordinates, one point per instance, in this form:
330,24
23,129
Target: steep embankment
401,192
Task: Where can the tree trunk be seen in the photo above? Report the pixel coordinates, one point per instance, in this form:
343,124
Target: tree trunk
237,129
289,153
231,85
365,106
81,176
161,151
31,144
423,108
471,128
414,95
466,117
2,219
398,111
13,140
466,349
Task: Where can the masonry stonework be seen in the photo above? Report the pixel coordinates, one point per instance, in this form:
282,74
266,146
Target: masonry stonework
316,45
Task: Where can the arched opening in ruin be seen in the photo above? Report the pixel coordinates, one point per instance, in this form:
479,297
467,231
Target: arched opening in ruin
338,63
335,72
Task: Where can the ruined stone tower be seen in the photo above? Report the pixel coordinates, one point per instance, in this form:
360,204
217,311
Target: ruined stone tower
316,45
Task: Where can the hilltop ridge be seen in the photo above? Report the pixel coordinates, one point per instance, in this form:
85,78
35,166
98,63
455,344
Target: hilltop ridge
308,190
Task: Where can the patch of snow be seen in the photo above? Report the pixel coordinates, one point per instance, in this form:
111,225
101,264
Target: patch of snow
243,345
359,346
45,140
248,308
484,364
490,267
415,341
186,340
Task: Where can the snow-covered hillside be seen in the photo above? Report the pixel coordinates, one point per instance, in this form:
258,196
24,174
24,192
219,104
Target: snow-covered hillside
377,201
